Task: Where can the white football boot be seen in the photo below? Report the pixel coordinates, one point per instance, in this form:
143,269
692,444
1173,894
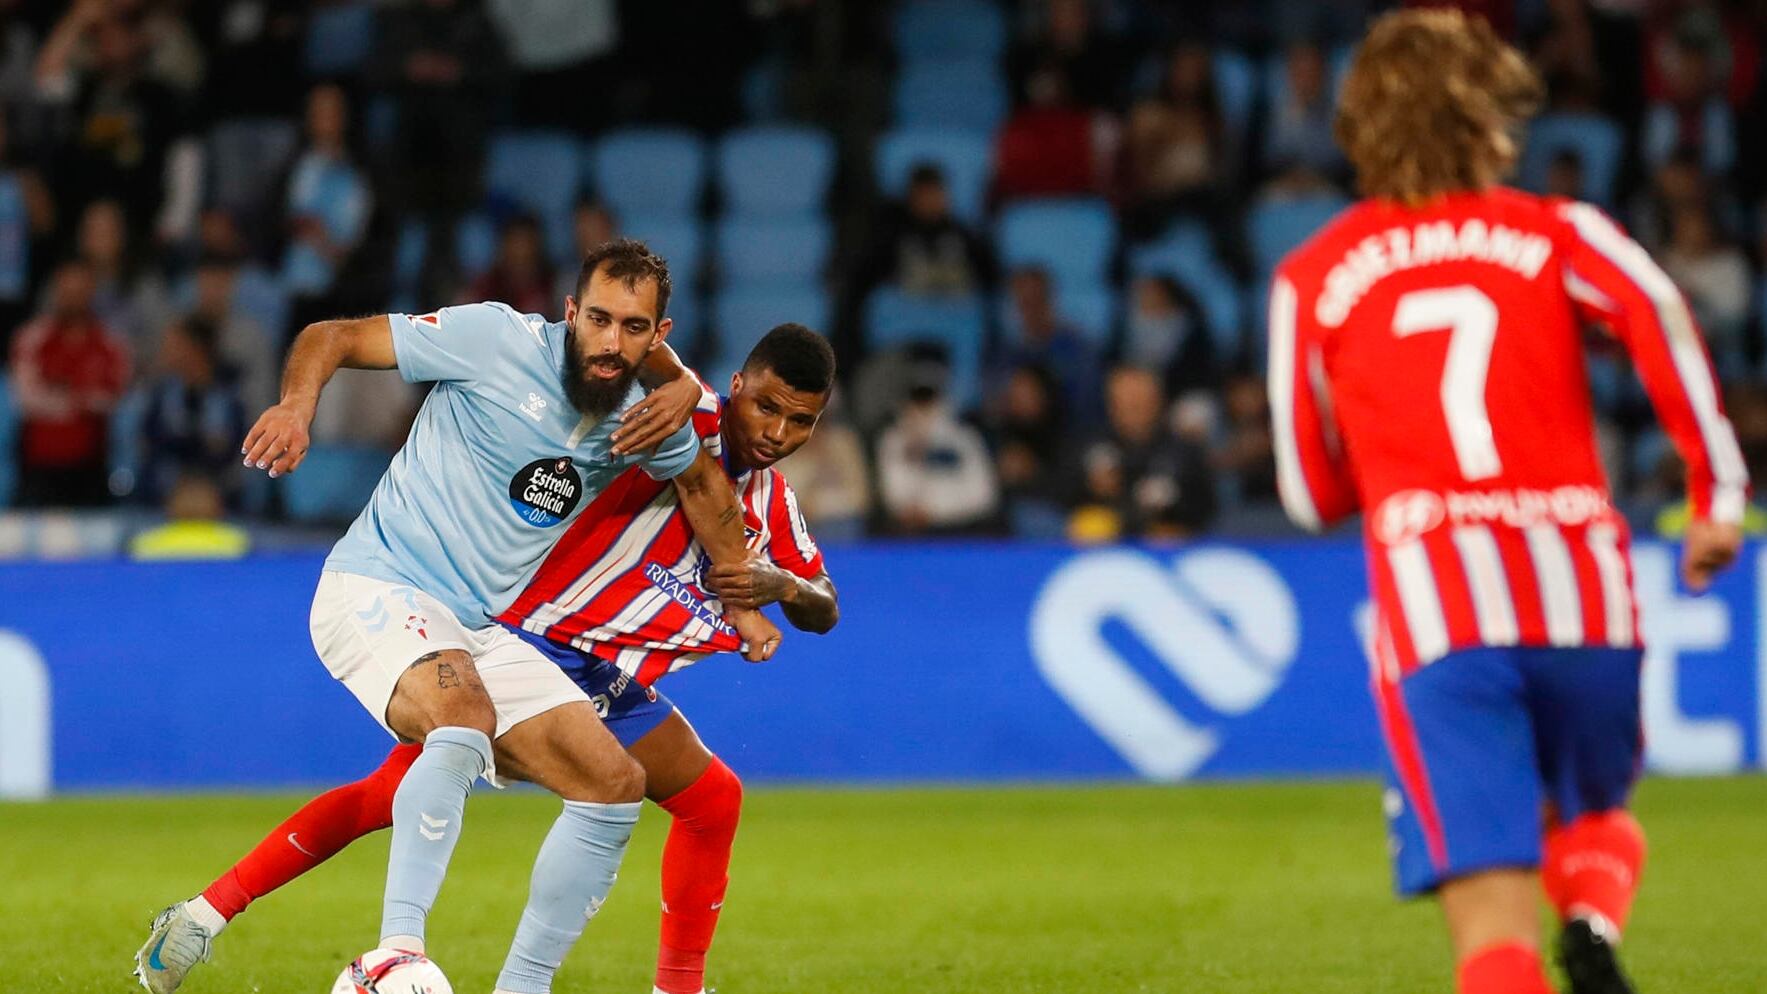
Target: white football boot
176,944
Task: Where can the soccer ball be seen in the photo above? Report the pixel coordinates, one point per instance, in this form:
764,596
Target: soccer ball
392,971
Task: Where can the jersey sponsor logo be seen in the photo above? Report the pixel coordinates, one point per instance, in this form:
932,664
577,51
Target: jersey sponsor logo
535,404
1410,514
685,595
1221,621
546,491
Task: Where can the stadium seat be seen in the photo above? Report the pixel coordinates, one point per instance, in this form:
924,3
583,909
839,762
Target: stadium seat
1273,227
949,29
964,156
743,314
8,444
649,171
688,334
1596,141
775,171
894,318
1236,87
1072,239
334,482
340,38
475,245
967,93
539,172
679,240
791,251
1186,253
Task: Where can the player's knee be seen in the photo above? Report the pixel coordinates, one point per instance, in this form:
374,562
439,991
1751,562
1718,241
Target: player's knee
725,809
624,782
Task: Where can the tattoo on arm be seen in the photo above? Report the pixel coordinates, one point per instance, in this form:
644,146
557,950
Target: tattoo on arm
730,514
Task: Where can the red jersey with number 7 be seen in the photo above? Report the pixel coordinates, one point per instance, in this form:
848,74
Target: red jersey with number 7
1427,368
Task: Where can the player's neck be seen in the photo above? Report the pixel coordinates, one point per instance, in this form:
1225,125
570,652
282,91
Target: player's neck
733,455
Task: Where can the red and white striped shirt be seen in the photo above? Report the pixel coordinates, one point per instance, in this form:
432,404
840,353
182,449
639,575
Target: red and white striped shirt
1426,367
624,582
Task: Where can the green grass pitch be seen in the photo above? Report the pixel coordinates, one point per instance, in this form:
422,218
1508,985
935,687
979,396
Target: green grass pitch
1200,888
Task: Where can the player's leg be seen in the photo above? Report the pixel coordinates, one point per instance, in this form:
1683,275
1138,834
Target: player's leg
1463,805
704,799
179,937
1587,707
411,664
555,739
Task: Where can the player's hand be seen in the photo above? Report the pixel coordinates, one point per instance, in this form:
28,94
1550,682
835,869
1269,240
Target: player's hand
278,442
760,637
1708,548
748,585
646,424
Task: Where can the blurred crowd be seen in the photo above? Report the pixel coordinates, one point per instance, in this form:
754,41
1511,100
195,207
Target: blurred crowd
185,183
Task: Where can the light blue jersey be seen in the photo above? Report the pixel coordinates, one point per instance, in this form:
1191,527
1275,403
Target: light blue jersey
496,466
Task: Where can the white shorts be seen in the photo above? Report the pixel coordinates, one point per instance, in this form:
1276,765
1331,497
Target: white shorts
368,633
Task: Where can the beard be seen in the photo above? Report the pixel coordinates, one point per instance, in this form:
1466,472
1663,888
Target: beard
590,394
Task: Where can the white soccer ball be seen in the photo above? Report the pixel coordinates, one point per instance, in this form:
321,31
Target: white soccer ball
392,971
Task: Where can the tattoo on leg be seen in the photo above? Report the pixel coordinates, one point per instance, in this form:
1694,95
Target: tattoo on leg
446,678
426,657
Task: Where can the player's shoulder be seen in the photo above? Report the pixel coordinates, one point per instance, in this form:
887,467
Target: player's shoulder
1330,240
492,316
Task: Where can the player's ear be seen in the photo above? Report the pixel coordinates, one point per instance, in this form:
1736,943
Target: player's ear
736,383
663,328
570,309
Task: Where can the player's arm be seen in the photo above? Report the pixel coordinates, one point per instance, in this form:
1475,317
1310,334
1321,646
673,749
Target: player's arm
674,393
811,604
278,441
1312,470
715,515
1614,281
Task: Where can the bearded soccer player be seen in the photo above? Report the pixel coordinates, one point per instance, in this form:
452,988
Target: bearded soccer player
1426,368
618,604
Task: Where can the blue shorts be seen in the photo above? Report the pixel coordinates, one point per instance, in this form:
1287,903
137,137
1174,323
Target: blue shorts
629,710
1483,744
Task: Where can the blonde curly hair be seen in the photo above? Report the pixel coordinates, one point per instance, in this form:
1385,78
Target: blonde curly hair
1433,103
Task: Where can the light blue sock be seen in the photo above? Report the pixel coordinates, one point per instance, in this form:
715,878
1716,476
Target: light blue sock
572,875
427,809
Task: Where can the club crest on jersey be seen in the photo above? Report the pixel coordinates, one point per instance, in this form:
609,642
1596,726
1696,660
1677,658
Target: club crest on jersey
419,624
546,491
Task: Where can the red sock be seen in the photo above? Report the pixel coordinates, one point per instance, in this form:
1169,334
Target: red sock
1593,864
313,835
1505,968
696,870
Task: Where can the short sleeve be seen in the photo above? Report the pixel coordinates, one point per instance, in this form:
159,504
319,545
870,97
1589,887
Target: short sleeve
790,544
674,455
454,343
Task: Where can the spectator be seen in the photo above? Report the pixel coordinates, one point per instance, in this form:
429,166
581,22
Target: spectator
1166,334
922,249
1676,184
121,122
592,224
1299,136
1027,428
832,478
933,470
194,528
195,417
1044,339
1564,176
244,346
1692,112
1177,147
1068,39
1053,145
329,204
1145,479
1716,278
27,218
520,275
68,373
127,298
445,65
558,46
1247,455
253,48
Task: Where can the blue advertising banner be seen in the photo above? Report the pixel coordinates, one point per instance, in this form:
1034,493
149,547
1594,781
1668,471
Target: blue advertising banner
965,662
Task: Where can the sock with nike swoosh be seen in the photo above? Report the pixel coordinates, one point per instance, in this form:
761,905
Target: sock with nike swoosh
696,873
310,836
572,875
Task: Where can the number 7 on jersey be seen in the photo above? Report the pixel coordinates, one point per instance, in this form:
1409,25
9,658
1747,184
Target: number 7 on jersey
1470,318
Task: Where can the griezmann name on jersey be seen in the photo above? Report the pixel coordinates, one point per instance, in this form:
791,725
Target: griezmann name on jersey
1427,368
625,582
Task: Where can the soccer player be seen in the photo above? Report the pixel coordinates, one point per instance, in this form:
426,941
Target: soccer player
508,449
616,623
1426,368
